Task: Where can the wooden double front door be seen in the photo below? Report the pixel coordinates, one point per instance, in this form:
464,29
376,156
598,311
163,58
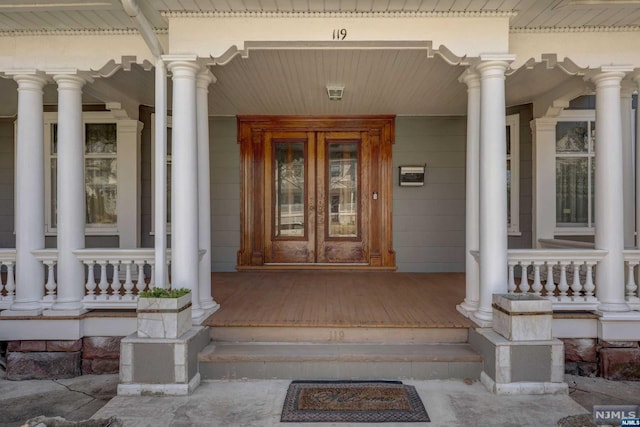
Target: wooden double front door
316,192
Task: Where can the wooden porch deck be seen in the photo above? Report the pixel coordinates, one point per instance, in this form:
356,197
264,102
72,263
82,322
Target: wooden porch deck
338,299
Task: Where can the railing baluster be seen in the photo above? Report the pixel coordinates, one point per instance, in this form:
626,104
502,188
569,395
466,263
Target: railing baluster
589,286
104,284
10,286
550,285
91,281
152,280
511,287
140,284
536,287
576,286
128,283
115,282
51,285
631,286
563,286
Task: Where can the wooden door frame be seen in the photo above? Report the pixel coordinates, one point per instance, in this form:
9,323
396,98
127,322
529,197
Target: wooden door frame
251,131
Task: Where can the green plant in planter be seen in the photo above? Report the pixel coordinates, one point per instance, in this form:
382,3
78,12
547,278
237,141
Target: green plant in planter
164,293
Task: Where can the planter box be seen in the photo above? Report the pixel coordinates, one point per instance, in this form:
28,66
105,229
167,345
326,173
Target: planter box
164,317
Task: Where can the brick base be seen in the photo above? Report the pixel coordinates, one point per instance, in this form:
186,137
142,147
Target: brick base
41,359
613,360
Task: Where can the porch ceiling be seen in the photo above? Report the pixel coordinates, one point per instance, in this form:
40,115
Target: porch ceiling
293,82
403,82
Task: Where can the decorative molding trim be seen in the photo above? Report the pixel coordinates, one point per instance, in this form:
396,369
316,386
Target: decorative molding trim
585,29
79,32
336,14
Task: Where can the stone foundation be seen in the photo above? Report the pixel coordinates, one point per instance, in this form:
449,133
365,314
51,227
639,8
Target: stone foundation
613,360
39,359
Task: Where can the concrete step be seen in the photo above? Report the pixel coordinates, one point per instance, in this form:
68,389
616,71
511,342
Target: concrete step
309,334
269,360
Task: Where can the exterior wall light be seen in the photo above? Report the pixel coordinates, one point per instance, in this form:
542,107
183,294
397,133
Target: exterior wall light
335,92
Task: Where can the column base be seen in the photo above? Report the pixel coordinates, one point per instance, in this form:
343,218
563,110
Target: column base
466,308
619,326
613,307
208,304
197,321
21,313
61,313
481,318
67,306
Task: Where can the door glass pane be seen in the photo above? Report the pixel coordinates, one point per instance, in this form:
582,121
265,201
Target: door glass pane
289,189
101,191
572,192
54,192
343,189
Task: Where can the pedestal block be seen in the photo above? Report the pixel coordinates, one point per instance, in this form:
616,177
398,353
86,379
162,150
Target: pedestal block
161,366
522,317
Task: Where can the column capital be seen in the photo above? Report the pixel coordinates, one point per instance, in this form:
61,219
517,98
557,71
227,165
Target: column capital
183,69
205,78
608,75
31,81
69,81
471,78
544,124
493,65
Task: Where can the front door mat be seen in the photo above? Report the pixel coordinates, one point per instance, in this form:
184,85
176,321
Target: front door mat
352,401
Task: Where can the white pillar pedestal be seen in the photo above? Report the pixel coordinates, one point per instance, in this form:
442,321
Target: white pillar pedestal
472,237
205,78
493,185
636,79
70,197
609,203
29,197
184,192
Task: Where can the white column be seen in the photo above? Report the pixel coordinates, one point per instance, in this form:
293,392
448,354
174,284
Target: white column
184,163
628,166
71,193
636,79
609,202
160,200
205,78
29,197
493,185
472,238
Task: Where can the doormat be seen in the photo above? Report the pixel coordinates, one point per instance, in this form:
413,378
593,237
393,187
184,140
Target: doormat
352,401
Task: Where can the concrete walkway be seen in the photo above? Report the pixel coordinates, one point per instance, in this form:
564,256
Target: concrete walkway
259,403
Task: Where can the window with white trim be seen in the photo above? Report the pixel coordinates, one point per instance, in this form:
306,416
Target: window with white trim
110,174
575,171
513,174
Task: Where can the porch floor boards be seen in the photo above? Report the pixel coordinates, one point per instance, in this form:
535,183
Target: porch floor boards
338,299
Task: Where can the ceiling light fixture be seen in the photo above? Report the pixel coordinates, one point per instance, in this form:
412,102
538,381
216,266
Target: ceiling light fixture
335,92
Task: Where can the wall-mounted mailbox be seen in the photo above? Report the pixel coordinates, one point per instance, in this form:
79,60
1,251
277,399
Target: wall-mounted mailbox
412,176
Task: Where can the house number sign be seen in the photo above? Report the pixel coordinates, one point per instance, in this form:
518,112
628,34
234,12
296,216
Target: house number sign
339,34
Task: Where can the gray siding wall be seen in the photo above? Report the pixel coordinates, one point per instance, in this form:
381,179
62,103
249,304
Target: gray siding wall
429,221
225,193
526,177
7,169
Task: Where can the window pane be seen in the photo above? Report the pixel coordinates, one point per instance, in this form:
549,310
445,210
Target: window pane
101,190
289,189
343,189
54,193
54,138
572,192
168,192
100,138
169,141
572,137
508,191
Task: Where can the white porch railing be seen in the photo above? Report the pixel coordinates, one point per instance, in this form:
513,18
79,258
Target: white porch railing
7,277
632,262
113,276
564,276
